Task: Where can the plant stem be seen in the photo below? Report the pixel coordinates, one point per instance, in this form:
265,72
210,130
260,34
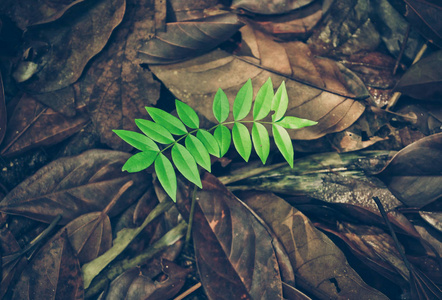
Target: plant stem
192,212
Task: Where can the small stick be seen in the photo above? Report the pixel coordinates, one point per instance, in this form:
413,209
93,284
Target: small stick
188,292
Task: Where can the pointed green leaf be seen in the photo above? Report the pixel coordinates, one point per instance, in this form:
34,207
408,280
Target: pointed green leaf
290,122
241,140
221,106
209,142
263,101
140,161
223,137
155,131
166,175
137,140
168,121
261,141
185,163
198,151
280,102
243,101
284,143
187,114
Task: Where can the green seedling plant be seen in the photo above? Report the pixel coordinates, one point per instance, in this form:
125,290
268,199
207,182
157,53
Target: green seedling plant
191,145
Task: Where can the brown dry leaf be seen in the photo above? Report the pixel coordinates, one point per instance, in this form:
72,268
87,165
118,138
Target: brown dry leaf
414,174
70,45
320,266
54,273
432,218
183,40
425,16
190,10
267,7
27,13
234,251
196,82
76,185
33,125
115,87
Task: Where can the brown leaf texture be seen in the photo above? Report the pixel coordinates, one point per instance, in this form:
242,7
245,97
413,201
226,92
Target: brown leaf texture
54,273
414,174
320,266
196,82
188,39
424,15
75,185
71,44
33,125
268,7
115,87
234,251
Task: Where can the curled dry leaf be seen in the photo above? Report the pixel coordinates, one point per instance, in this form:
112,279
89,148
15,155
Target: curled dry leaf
54,273
33,125
234,251
414,174
320,266
267,7
196,82
2,110
76,185
70,45
424,79
432,218
115,87
188,39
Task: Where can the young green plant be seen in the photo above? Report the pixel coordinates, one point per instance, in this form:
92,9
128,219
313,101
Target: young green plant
191,145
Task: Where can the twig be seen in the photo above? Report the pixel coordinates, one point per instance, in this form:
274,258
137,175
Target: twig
188,292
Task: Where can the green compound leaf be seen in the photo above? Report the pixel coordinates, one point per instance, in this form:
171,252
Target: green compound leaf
284,143
140,161
221,106
137,140
168,121
198,151
295,123
263,101
166,175
209,142
186,164
223,137
241,140
280,102
243,101
261,141
187,114
155,131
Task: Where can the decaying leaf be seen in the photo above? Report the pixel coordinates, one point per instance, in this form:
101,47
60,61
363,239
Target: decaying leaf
234,251
115,88
424,79
267,7
71,44
76,185
188,39
320,266
33,125
191,10
432,218
54,273
424,16
414,173
196,82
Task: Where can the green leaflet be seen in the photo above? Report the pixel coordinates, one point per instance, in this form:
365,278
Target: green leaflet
261,141
209,142
241,140
198,151
284,143
140,161
186,164
262,104
295,123
223,137
166,175
280,102
221,106
187,114
155,131
243,101
171,123
137,140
